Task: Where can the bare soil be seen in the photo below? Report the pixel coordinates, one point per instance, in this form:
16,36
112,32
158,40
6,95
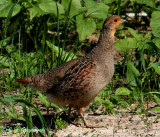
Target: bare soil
122,124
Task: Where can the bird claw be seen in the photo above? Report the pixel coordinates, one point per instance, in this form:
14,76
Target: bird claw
93,127
78,124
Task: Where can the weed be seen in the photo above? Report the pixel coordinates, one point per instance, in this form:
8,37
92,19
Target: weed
36,36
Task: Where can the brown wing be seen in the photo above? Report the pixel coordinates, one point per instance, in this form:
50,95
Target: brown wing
76,79
53,77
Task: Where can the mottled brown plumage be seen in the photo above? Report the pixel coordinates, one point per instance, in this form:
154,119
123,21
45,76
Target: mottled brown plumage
77,82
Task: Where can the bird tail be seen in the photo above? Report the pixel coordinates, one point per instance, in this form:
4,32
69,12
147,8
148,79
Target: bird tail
37,82
27,80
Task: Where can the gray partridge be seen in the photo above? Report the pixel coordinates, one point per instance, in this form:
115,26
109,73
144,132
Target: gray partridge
77,82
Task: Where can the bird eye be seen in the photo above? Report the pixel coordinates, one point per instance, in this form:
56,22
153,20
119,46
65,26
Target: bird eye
115,20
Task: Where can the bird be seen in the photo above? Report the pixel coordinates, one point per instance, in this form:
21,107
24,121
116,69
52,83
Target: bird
77,82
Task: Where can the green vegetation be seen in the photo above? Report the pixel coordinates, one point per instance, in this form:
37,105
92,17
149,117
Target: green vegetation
38,35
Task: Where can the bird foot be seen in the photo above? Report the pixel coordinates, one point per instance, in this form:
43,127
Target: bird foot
89,126
78,124
93,127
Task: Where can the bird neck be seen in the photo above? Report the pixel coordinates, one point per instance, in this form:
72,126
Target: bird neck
105,42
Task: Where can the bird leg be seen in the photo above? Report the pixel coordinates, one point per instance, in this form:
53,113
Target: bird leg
80,110
69,115
69,112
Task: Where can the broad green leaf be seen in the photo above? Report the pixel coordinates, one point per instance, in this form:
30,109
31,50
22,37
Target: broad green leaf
155,109
35,11
51,8
122,91
126,44
6,5
108,1
155,23
157,99
148,36
105,101
147,2
99,99
117,98
85,26
32,12
157,42
146,45
156,66
45,7
75,6
132,74
135,33
96,9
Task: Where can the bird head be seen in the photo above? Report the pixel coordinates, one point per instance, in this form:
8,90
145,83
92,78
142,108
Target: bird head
113,22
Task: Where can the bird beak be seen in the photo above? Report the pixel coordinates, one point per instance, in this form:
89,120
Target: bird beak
122,20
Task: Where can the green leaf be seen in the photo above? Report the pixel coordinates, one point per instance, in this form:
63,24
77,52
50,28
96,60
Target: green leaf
44,99
24,102
147,2
35,11
65,54
132,74
156,66
75,6
5,42
146,45
4,61
99,99
157,42
126,44
85,26
6,5
135,33
157,99
108,1
49,7
155,109
45,7
155,23
96,9
157,69
32,12
148,36
122,91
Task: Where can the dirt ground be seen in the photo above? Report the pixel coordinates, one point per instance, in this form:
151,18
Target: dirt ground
122,124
